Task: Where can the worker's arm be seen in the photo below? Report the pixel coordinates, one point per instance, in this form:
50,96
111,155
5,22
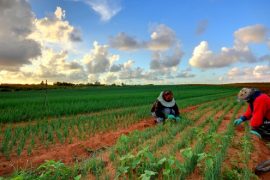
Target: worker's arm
247,115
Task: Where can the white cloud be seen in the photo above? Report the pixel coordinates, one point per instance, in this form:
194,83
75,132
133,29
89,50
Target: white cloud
162,42
52,66
55,30
124,42
16,24
99,60
13,77
202,57
235,72
55,67
93,78
109,78
162,38
21,32
136,73
160,60
184,74
105,8
250,34
59,13
128,64
116,67
259,73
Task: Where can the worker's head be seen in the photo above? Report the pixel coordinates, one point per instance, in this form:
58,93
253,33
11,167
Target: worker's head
167,95
245,94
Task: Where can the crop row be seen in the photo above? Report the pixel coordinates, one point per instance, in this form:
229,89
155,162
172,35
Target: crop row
136,138
66,129
123,167
141,154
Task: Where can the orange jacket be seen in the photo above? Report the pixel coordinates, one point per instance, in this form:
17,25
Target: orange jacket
258,111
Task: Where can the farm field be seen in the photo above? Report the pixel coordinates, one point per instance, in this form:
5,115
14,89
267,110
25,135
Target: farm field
108,133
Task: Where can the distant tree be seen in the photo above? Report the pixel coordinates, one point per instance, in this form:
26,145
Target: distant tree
97,83
63,84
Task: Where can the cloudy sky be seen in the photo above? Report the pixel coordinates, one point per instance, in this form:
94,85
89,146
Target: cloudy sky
134,41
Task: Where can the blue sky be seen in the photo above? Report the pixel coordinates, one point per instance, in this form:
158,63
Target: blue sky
135,42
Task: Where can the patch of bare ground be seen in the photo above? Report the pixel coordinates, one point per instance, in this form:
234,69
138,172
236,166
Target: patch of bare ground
109,168
260,153
190,108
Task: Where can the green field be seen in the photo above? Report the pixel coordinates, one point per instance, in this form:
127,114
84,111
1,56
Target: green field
33,105
33,120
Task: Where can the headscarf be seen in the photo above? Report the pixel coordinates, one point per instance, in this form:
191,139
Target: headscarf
165,103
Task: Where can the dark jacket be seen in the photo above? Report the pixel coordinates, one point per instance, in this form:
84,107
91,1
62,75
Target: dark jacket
158,109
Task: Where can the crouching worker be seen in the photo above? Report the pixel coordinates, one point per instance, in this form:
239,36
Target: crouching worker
258,112
165,107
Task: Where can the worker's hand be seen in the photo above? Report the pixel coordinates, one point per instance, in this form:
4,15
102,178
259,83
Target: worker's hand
256,133
171,117
237,122
177,119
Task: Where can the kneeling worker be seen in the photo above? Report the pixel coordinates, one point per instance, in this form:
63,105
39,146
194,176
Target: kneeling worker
258,112
165,107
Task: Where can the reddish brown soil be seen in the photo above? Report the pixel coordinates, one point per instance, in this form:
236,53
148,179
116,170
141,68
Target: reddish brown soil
188,109
109,169
69,153
261,153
